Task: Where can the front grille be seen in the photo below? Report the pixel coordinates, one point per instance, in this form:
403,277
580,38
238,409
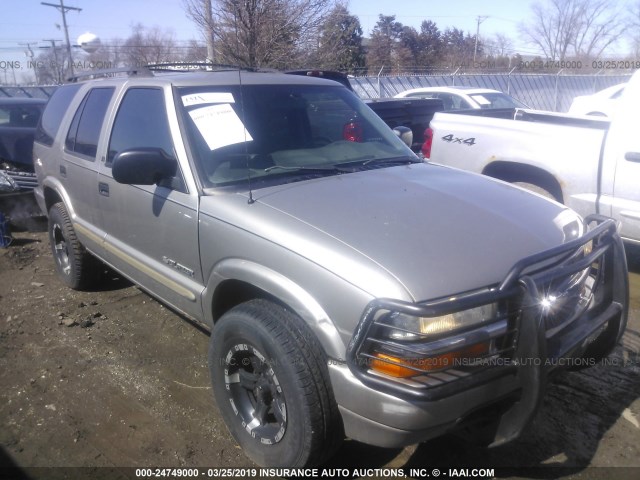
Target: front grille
547,305
25,180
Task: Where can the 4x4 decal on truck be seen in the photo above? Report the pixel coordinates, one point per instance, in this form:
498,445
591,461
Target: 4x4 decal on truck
467,141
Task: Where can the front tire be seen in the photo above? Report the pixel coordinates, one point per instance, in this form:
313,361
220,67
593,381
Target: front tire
76,267
271,384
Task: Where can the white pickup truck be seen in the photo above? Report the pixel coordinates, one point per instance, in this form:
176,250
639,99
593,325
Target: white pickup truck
591,165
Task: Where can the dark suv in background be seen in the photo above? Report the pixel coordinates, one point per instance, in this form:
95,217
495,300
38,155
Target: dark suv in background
18,120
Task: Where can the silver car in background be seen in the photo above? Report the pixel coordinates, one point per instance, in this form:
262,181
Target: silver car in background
462,98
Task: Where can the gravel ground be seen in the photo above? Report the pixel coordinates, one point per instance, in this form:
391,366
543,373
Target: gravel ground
111,378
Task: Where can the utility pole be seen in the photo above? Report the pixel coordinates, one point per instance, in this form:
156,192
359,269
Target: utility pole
479,20
64,9
209,29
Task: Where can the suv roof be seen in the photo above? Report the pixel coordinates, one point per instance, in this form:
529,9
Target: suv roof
216,77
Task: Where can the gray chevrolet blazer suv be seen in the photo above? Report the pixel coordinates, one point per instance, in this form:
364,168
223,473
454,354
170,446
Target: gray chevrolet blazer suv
350,288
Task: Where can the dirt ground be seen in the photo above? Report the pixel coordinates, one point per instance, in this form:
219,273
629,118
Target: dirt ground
111,378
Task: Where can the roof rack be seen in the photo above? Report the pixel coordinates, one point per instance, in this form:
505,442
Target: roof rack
191,66
146,70
141,71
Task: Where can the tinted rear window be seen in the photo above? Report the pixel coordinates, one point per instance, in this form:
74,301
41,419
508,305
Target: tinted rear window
54,112
20,115
85,128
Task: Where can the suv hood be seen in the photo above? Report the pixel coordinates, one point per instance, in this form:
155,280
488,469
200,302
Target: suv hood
419,231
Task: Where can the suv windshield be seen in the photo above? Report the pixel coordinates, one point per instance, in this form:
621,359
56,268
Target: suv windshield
284,133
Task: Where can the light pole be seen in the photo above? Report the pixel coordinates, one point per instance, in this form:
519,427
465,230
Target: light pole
63,9
479,20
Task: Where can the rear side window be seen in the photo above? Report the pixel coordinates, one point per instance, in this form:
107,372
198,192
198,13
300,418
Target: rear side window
84,132
53,113
20,115
141,122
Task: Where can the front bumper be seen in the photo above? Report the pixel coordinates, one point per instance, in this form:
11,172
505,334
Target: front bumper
19,207
19,204
508,382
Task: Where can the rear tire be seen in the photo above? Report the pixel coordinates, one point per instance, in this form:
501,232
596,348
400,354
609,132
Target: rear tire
76,267
271,384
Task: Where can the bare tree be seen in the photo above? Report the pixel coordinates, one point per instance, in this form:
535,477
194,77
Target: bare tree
583,28
196,52
634,28
260,33
498,46
51,66
201,13
602,26
149,45
108,55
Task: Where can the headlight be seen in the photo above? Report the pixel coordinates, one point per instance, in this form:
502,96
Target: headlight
409,328
570,223
7,183
401,353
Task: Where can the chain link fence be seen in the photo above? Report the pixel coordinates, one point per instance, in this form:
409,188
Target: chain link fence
27,92
541,91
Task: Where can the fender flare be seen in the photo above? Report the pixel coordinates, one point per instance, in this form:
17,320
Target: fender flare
51,183
282,288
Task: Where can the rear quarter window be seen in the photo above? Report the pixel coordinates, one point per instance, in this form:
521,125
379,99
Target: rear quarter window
84,132
20,115
54,112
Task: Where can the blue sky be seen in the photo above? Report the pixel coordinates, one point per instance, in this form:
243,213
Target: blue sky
27,21
504,15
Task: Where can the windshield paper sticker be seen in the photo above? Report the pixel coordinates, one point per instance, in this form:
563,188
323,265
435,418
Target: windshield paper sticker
207,97
220,126
481,100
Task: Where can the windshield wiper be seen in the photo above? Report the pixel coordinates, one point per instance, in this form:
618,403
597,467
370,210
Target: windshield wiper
329,169
381,161
392,161
344,167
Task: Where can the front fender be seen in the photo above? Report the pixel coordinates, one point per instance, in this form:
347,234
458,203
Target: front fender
283,288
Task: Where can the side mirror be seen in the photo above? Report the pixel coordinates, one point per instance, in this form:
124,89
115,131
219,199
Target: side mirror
405,134
632,156
143,166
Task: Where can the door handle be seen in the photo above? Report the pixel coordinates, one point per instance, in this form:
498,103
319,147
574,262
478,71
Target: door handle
103,189
632,156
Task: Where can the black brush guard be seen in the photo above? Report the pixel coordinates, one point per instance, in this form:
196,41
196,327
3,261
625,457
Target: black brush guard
528,342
